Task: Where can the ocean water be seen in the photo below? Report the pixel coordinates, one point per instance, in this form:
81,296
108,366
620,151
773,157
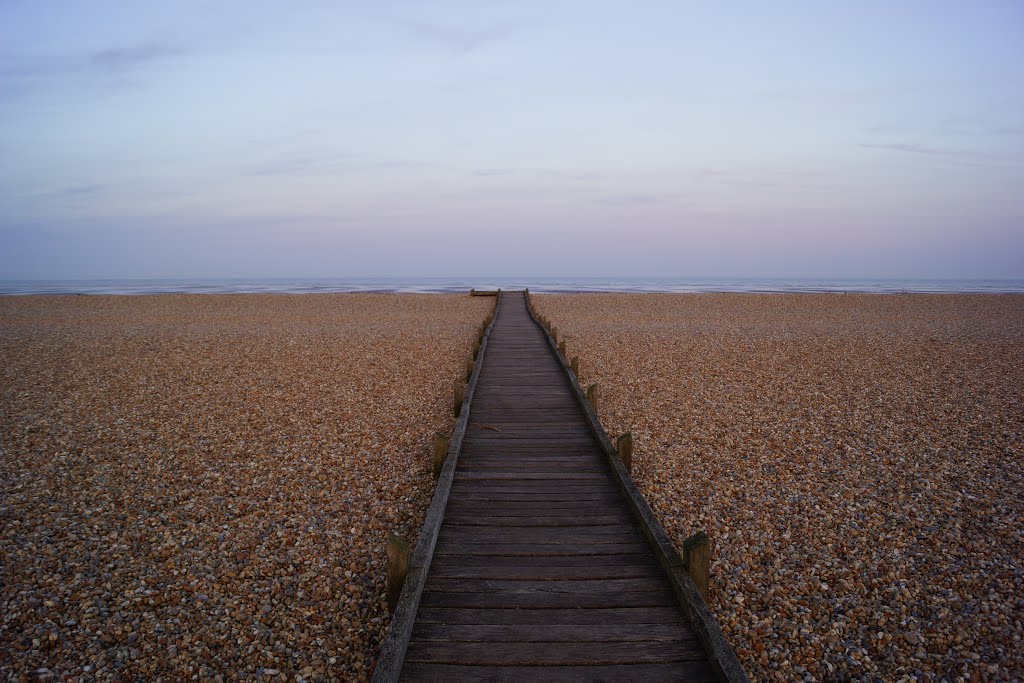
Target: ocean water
535,284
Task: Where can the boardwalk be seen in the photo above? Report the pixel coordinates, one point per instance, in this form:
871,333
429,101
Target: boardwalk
541,570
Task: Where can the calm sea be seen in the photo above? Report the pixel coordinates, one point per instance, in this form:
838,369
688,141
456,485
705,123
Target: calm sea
542,284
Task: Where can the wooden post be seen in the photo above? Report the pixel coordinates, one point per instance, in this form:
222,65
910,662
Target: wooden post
398,567
554,333
561,348
575,365
624,445
460,396
469,368
697,556
440,452
476,349
592,395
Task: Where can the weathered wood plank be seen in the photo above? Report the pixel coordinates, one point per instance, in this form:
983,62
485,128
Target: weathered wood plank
682,672
546,633
563,654
600,598
523,520
455,547
570,509
661,614
623,559
534,587
630,570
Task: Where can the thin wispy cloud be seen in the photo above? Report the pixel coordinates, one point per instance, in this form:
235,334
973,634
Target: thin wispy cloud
460,39
913,148
638,199
120,58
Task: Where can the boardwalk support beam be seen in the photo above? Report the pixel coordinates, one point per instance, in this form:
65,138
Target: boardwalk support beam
624,446
440,453
398,567
697,556
460,396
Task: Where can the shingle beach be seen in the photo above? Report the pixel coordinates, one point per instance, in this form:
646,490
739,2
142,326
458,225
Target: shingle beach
201,486
857,461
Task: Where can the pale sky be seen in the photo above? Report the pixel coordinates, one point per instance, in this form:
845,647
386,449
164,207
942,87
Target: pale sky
253,139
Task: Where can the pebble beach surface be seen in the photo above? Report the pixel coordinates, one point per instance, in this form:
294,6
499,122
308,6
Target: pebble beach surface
200,487
857,461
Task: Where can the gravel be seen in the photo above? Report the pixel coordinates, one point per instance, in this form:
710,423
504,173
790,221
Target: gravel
855,459
201,486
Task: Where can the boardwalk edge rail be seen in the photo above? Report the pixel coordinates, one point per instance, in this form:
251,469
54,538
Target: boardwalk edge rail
721,655
392,651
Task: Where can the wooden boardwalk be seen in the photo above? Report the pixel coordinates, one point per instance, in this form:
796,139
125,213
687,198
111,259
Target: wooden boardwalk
541,569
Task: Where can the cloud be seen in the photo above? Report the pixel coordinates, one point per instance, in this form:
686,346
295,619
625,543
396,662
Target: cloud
120,58
457,39
318,164
21,71
637,199
913,148
961,157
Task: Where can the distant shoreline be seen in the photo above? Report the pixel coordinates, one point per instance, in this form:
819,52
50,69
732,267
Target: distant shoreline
536,285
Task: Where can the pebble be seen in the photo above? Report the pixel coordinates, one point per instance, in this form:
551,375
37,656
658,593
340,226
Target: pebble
197,486
856,460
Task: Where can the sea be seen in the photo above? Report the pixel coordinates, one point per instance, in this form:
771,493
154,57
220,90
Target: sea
535,284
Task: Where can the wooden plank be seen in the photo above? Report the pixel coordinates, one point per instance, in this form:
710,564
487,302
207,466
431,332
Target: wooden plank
547,600
681,672
454,547
642,559
571,511
662,614
484,500
632,570
566,489
530,534
474,463
523,521
559,475
522,586
563,654
547,633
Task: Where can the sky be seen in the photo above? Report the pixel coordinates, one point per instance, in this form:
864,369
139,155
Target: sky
236,138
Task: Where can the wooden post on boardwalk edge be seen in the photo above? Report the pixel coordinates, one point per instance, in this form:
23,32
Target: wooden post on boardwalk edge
561,348
398,567
697,556
592,395
575,365
460,396
440,452
469,369
624,445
